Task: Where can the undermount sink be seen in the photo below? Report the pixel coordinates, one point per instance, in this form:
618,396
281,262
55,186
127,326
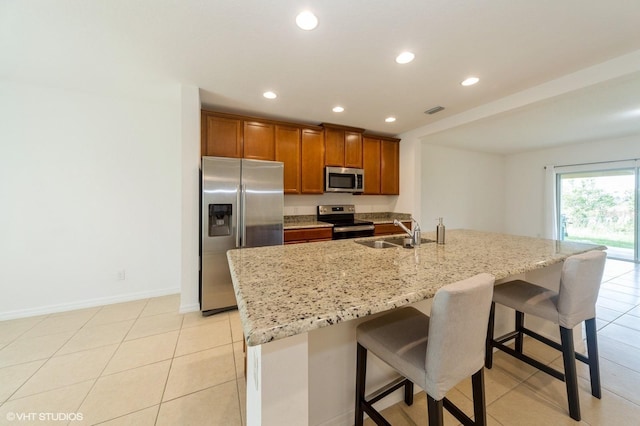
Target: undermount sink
392,242
378,244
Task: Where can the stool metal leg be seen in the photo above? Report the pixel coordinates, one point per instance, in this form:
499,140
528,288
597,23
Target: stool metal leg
479,407
519,327
488,356
408,393
594,363
435,412
570,375
361,374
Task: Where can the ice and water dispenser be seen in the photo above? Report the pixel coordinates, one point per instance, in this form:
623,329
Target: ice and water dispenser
219,220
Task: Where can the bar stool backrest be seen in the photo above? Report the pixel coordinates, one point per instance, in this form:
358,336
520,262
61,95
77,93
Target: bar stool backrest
579,286
457,333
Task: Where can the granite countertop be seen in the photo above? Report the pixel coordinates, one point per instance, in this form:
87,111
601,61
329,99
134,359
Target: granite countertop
304,221
291,289
310,221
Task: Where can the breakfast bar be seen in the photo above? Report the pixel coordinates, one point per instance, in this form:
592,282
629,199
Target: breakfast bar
299,306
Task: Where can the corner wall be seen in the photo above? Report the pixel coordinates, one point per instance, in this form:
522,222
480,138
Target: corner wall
465,188
90,190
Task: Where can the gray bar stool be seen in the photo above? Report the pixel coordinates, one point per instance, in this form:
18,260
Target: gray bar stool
574,303
435,352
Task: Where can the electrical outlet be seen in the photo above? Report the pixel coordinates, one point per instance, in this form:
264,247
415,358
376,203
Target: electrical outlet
122,275
295,210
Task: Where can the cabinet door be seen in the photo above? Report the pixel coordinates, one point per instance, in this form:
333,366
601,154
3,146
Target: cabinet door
288,151
222,137
389,168
312,173
390,228
371,165
334,147
307,235
259,141
353,149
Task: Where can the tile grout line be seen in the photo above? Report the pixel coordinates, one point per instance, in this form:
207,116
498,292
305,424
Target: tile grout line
46,359
107,363
166,381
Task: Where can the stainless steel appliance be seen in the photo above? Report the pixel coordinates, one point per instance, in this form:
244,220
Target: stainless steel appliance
241,206
345,225
342,179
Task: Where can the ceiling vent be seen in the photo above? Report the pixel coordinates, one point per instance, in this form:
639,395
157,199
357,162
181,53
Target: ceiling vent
434,110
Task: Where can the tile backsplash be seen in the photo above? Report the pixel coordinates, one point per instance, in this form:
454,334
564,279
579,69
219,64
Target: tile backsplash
307,204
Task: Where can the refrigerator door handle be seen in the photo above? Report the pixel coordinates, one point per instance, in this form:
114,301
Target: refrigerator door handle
243,203
238,215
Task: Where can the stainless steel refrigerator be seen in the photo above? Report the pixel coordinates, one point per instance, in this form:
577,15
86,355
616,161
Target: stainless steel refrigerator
241,206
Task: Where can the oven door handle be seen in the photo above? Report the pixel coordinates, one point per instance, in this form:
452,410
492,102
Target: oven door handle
353,228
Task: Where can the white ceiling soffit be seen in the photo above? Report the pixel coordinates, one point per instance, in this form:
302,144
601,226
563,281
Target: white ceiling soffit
236,50
606,110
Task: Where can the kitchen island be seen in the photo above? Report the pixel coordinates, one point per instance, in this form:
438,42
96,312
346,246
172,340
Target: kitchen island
300,304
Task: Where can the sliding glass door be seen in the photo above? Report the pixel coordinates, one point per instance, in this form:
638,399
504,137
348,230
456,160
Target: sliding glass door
599,204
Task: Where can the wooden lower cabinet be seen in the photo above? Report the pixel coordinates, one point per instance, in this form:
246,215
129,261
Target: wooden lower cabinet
307,235
390,228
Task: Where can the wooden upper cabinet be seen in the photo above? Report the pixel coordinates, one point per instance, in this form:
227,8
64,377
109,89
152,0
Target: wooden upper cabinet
353,149
343,146
305,150
221,137
312,161
259,140
334,147
371,165
389,167
288,151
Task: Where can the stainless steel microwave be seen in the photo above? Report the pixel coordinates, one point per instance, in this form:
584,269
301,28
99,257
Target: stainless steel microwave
342,179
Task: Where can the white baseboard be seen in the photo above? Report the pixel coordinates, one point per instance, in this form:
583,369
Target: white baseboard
189,308
89,303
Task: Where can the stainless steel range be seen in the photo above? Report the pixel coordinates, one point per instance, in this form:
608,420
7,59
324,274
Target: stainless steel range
345,225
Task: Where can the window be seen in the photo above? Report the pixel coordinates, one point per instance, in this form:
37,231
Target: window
598,203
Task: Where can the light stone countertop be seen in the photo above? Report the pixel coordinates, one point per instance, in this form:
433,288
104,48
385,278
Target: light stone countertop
291,289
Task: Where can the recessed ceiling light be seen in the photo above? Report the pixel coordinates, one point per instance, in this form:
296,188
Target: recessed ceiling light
306,20
269,95
337,109
390,119
470,81
405,57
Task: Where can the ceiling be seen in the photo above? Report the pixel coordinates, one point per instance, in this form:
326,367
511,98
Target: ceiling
234,50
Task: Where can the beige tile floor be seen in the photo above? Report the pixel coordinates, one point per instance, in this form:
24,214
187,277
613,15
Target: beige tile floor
135,363
143,363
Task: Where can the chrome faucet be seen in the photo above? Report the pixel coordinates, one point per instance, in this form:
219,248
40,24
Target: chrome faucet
415,234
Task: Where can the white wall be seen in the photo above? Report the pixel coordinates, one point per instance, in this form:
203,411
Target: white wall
89,186
465,188
524,178
190,231
307,204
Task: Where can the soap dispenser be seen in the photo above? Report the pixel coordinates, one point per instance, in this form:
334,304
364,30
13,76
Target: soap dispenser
440,231
416,235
